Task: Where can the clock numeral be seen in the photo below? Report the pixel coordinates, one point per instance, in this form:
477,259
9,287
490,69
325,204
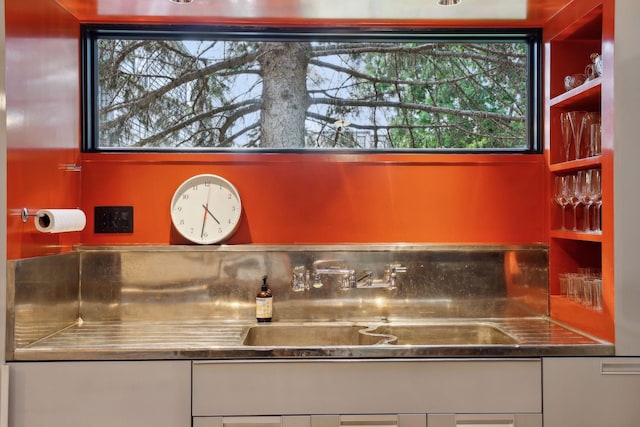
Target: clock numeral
205,235
220,230
207,183
229,196
185,196
233,208
179,208
182,222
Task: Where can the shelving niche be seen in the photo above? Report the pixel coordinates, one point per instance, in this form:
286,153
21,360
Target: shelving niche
569,52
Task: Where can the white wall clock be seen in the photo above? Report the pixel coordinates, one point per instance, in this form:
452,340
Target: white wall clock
206,209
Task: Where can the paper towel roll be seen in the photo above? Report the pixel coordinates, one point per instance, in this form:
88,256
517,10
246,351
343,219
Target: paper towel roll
60,220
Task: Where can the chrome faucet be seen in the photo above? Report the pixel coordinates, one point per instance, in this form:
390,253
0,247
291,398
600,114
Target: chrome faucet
348,278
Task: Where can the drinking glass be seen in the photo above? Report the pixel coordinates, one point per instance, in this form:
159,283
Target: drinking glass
565,126
589,119
596,284
576,119
560,196
582,194
570,181
595,143
595,195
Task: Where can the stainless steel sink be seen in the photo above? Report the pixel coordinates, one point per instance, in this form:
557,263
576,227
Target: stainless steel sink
446,334
303,335
330,335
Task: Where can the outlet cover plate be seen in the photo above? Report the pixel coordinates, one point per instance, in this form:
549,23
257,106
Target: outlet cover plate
113,219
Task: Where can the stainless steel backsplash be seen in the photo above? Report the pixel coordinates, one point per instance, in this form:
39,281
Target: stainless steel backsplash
220,282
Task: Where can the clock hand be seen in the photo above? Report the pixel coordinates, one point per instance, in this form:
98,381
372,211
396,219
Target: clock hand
204,221
207,211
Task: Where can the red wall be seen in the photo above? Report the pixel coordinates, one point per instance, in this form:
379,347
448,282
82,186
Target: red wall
317,198
287,198
42,69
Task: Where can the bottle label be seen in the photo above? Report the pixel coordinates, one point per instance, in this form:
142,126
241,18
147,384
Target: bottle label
264,308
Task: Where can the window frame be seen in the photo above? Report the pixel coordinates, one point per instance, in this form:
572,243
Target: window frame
90,33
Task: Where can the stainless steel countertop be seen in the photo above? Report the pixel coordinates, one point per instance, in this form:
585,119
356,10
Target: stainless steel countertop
153,340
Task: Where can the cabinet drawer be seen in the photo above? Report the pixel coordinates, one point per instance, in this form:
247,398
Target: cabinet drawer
589,391
366,387
493,420
100,394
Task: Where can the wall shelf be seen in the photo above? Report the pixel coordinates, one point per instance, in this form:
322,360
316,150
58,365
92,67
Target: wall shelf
576,235
583,96
574,165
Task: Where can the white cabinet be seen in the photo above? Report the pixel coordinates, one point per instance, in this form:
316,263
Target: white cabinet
357,387
100,394
585,392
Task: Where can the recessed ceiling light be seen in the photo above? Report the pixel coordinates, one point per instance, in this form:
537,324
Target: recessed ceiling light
181,1
448,2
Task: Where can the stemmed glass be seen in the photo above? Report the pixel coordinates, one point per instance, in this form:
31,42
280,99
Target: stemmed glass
560,196
582,194
570,181
595,195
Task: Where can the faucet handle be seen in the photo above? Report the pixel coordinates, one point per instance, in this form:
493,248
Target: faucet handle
348,280
391,273
300,280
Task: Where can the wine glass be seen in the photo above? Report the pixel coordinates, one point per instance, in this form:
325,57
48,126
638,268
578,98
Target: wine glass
560,196
565,126
582,194
570,188
595,195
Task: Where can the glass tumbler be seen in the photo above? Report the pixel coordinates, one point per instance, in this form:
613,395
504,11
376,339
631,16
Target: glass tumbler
585,148
595,142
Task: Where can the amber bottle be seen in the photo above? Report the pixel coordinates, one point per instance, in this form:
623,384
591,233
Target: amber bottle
264,303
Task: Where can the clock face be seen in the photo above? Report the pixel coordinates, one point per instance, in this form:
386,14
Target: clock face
206,209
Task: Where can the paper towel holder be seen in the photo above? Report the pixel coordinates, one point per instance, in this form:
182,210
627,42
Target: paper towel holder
25,214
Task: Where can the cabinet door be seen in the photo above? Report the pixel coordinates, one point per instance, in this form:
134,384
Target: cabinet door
371,420
288,421
584,392
100,394
483,420
401,420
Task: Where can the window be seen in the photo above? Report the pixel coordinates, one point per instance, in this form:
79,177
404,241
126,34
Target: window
222,89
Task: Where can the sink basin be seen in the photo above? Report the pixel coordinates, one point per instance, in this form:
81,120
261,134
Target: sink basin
330,335
303,335
446,334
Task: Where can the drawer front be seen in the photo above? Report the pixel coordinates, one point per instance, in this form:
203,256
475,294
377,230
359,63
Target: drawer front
303,421
478,420
590,391
366,387
100,394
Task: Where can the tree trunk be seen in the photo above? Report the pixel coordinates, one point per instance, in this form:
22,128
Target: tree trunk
284,94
